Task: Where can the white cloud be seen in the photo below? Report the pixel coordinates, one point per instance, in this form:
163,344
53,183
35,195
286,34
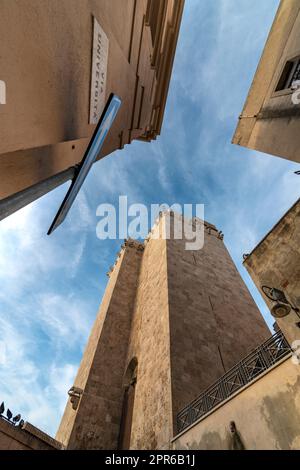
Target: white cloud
43,331
62,317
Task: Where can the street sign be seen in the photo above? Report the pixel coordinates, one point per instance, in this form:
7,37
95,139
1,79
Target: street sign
2,92
99,72
109,113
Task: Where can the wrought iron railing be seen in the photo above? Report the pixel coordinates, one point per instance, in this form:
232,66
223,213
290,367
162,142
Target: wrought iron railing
14,420
248,369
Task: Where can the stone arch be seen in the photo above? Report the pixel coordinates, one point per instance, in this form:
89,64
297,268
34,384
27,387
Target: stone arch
129,382
131,372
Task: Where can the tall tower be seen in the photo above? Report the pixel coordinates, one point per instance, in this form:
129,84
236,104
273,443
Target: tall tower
171,322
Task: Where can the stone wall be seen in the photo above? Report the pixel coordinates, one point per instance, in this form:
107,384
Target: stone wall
275,262
182,318
214,321
95,422
150,344
26,438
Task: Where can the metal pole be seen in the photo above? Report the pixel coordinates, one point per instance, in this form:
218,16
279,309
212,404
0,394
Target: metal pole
16,201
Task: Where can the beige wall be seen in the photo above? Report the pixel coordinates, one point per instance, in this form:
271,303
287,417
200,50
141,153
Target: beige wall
275,262
15,438
266,414
45,61
270,121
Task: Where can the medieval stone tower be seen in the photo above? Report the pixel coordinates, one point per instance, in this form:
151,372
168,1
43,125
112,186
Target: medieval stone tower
171,322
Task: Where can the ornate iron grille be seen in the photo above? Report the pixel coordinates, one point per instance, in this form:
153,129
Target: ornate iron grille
244,372
15,420
295,73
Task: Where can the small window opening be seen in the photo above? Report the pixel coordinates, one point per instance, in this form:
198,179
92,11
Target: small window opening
290,76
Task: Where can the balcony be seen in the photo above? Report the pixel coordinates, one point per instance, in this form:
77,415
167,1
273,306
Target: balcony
243,373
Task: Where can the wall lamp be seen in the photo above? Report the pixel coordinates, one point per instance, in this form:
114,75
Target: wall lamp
282,306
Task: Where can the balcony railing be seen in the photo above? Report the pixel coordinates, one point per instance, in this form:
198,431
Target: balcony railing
9,418
244,372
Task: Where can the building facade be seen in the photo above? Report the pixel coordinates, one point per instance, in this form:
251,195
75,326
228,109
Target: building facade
275,263
24,436
256,405
58,65
263,415
172,321
270,119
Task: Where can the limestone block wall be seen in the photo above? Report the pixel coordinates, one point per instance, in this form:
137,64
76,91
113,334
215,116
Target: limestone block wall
182,318
194,319
150,344
95,423
214,321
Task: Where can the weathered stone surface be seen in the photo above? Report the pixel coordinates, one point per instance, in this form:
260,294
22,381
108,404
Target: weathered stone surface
275,262
184,318
95,423
266,414
214,321
27,438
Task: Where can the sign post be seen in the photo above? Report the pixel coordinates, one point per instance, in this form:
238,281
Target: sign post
109,113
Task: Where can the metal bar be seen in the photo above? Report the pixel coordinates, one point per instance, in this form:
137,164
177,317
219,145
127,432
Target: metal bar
16,201
93,150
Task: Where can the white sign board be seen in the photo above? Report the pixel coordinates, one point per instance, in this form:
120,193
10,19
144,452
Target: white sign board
99,73
2,92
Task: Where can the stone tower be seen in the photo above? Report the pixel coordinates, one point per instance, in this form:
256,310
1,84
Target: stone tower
171,322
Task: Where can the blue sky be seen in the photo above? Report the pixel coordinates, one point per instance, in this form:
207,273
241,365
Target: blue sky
51,287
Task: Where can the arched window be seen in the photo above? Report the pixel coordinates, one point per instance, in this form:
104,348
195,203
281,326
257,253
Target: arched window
130,379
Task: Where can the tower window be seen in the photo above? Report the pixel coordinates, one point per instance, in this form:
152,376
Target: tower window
290,75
